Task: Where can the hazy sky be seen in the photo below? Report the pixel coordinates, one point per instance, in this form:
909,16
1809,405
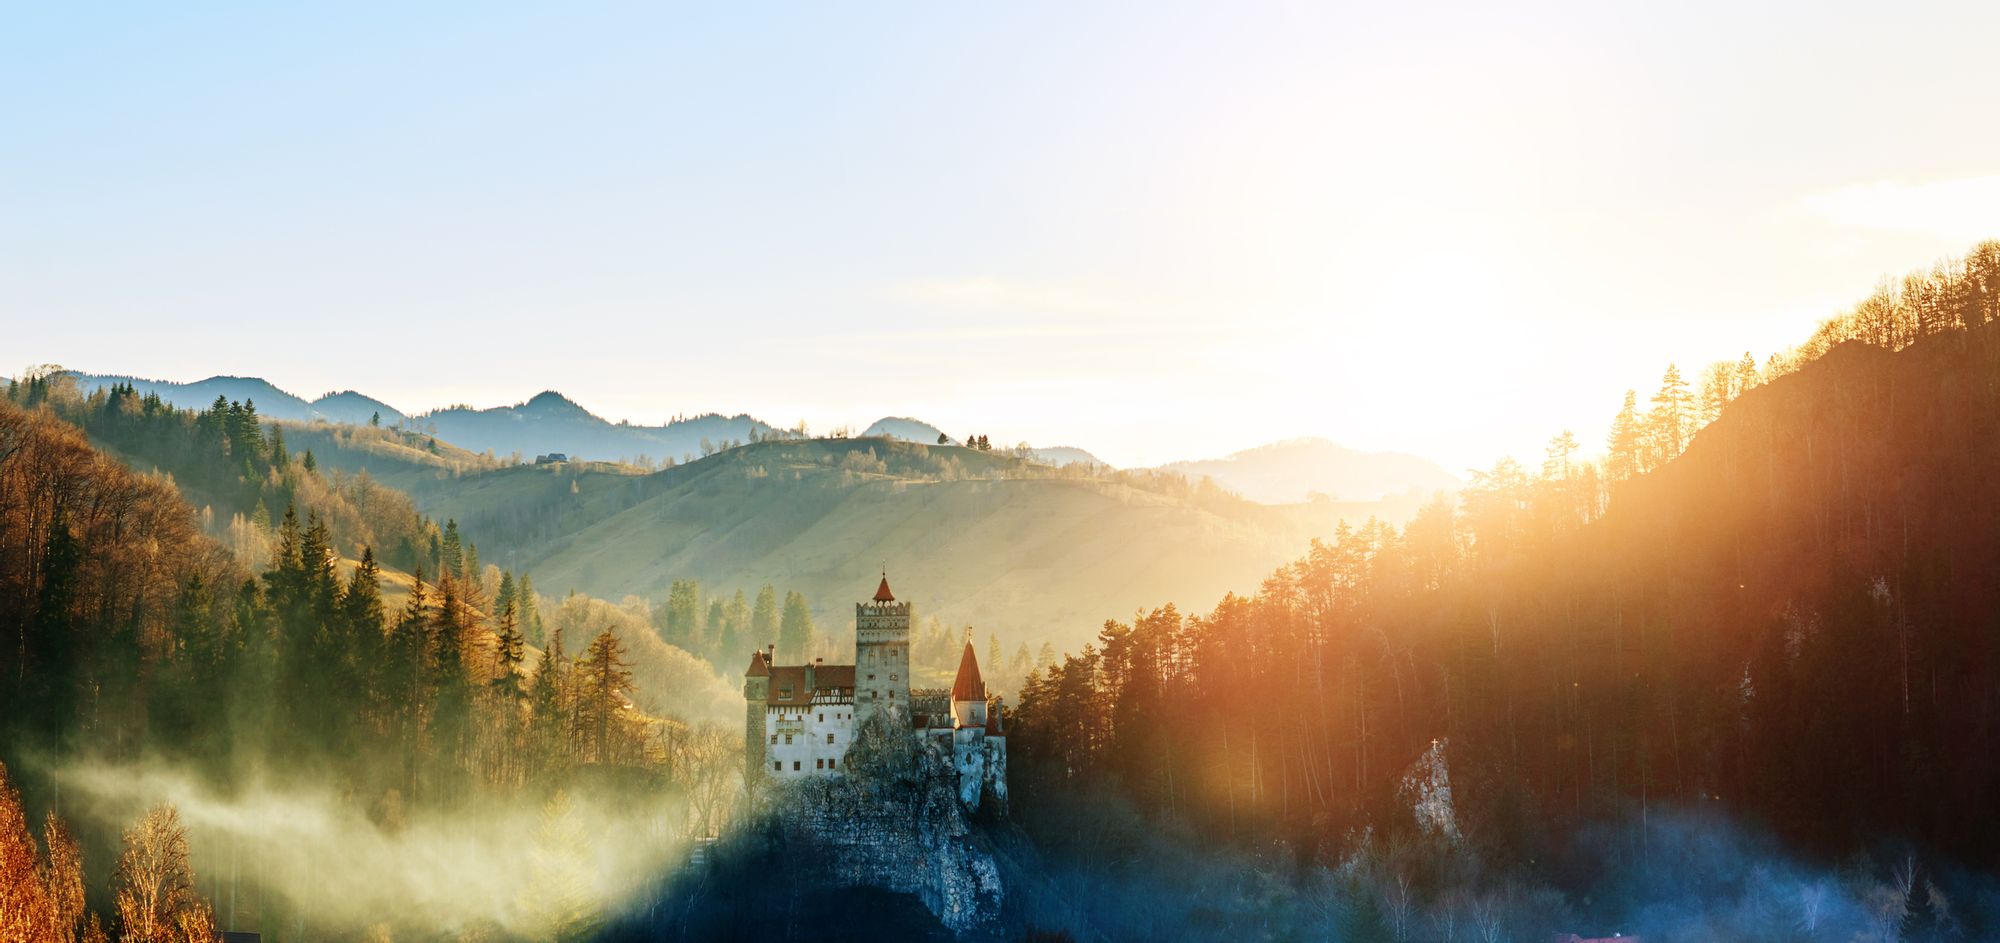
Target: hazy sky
1154,231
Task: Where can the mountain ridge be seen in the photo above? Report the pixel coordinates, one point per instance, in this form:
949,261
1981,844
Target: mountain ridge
1297,469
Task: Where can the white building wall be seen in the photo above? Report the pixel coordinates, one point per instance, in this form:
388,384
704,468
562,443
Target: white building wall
808,752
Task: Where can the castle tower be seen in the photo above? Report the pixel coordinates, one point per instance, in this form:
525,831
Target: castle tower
968,690
881,654
756,694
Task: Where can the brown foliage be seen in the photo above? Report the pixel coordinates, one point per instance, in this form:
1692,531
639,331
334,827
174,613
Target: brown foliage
139,540
41,896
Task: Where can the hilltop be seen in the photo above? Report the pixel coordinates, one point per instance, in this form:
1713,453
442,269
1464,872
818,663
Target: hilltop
916,430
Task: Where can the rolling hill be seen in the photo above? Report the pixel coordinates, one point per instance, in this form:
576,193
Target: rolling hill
1019,548
1295,470
550,422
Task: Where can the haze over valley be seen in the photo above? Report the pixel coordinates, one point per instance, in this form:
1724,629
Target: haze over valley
1027,473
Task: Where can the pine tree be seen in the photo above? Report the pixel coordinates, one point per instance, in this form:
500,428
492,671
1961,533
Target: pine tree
1671,419
764,618
604,681
682,615
1625,441
530,609
507,655
451,554
795,631
546,702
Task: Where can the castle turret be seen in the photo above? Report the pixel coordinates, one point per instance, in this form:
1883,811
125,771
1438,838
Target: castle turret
881,654
756,695
968,691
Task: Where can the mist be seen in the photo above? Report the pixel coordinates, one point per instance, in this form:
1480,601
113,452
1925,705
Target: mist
509,866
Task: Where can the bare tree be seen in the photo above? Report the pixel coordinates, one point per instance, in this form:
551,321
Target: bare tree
157,902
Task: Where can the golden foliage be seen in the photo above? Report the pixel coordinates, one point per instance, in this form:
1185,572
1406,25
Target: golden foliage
157,902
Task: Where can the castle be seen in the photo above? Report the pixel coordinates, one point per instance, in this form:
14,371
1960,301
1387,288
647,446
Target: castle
800,720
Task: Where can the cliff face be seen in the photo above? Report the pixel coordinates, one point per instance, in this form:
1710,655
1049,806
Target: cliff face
907,834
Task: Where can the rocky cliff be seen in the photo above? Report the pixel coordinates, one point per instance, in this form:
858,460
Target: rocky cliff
906,833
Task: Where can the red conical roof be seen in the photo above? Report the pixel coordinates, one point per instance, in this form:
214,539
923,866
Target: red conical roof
759,668
968,687
882,593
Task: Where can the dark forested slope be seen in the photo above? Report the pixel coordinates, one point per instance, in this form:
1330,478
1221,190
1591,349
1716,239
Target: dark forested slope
1797,618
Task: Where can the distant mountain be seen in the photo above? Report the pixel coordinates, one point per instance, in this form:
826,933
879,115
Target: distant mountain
547,423
552,423
1292,471
917,430
346,406
1060,455
271,401
908,430
355,409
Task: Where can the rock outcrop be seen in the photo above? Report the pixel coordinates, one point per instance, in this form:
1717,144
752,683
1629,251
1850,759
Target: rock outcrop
905,833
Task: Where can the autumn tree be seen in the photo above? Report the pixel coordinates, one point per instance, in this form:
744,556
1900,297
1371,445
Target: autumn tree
604,682
156,897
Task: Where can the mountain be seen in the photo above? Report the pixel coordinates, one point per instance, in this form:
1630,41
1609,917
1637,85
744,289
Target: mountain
270,401
1060,455
916,430
551,422
346,406
355,409
547,423
909,430
1296,469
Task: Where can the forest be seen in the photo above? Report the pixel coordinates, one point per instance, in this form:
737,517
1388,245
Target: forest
1737,678
1771,607
137,644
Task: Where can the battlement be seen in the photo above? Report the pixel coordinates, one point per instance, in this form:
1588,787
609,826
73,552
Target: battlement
880,609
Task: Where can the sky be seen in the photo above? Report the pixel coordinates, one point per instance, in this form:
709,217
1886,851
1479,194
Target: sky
1157,231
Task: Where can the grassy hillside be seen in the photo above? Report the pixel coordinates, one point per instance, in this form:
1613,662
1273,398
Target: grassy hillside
1030,552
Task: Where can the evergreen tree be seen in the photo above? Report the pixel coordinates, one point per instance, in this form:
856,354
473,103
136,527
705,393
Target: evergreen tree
764,618
1671,420
604,681
682,615
507,655
546,702
451,553
530,609
1625,442
795,631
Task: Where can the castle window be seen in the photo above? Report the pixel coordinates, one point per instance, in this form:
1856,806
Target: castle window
894,678
829,738
778,765
788,739
795,766
831,763
822,718
774,738
819,764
